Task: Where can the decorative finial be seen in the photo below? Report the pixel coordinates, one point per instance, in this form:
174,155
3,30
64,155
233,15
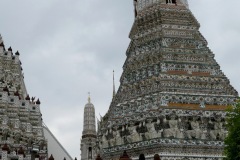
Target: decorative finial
21,151
17,53
38,102
114,91
51,157
89,97
5,147
10,49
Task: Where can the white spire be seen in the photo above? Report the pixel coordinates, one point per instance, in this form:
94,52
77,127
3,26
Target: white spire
89,131
114,91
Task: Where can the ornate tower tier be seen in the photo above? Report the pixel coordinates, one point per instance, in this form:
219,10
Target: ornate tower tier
88,141
172,95
144,4
89,127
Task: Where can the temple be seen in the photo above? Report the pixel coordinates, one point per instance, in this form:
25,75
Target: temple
23,135
89,135
173,95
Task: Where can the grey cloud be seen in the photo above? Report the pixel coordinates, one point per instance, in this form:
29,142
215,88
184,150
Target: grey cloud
69,48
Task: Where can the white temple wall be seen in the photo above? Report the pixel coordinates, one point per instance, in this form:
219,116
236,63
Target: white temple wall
54,146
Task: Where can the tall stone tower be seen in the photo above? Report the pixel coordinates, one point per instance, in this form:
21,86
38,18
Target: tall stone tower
88,142
172,95
21,130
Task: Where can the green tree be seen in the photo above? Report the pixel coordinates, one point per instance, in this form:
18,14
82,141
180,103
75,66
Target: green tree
232,142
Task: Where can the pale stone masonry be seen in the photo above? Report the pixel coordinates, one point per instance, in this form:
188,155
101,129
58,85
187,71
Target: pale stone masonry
21,130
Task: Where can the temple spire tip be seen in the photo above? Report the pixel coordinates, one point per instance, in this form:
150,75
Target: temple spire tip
89,97
114,91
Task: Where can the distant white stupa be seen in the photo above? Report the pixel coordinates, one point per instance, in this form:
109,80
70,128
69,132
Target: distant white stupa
88,141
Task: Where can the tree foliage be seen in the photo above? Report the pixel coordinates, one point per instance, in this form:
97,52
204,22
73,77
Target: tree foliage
232,142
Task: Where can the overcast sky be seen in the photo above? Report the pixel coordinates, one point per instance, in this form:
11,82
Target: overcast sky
70,47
